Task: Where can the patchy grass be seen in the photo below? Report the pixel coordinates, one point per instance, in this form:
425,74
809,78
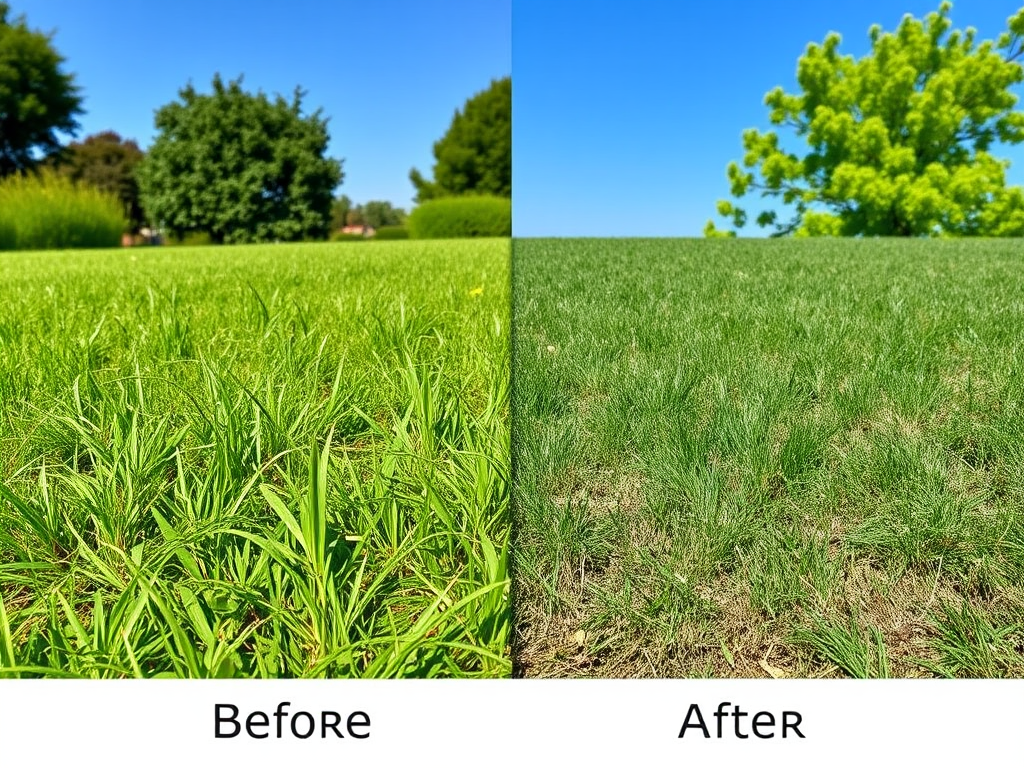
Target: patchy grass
768,458
257,461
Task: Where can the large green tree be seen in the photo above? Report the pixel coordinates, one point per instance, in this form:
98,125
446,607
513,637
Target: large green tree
475,155
107,162
239,167
38,99
898,142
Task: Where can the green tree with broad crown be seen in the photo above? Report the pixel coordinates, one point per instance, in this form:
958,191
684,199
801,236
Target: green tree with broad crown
107,162
239,167
899,140
37,98
475,155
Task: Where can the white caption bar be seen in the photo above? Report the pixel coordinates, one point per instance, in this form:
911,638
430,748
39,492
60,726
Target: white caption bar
512,722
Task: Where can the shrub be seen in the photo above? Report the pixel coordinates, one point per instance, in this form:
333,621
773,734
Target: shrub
189,239
47,211
8,237
345,237
392,232
466,216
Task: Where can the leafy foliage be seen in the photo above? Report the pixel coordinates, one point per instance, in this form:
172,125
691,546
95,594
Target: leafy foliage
37,99
380,213
475,155
107,162
240,167
375,213
469,216
899,140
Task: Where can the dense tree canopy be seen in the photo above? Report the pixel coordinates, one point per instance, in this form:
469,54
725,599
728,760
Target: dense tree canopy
107,162
37,98
899,140
475,155
239,167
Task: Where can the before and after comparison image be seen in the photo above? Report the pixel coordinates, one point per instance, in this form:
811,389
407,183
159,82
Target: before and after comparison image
295,384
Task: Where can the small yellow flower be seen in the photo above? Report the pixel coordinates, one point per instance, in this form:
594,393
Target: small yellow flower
477,291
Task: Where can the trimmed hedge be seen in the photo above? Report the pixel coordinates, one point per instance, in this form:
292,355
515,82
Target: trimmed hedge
392,232
466,216
48,211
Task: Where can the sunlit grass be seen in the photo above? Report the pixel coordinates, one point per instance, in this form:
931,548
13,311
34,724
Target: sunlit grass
255,461
49,211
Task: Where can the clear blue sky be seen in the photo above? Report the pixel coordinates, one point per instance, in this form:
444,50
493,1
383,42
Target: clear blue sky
626,114
388,73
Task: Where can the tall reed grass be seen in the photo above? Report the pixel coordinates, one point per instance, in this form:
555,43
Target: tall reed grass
47,211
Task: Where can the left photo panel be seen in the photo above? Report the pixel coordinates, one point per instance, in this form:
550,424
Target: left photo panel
254,340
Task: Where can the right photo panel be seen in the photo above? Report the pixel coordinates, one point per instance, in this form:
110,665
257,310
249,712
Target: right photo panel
768,339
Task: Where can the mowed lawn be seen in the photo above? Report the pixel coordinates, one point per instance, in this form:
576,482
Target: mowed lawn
768,458
255,461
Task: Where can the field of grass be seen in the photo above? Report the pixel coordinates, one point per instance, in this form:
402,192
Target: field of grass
768,458
255,461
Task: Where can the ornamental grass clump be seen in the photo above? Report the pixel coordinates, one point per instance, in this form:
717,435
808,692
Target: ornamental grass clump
47,211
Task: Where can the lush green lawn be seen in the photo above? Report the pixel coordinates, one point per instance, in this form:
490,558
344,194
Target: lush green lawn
752,458
262,461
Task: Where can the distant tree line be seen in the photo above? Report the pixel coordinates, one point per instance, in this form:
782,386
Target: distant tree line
375,213
237,166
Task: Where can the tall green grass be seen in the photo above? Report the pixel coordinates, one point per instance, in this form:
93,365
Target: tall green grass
48,211
268,461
